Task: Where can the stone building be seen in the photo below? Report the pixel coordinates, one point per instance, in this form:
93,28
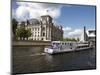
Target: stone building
43,29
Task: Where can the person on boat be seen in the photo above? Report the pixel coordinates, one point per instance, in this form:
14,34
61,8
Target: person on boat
70,45
54,46
60,46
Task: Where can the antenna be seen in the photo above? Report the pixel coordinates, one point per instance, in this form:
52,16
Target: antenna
47,11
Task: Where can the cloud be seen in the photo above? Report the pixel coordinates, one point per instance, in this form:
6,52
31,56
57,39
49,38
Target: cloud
27,10
22,13
67,28
75,33
71,32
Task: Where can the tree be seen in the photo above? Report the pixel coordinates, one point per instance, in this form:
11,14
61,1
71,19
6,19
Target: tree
22,33
14,27
28,33
78,39
73,39
69,39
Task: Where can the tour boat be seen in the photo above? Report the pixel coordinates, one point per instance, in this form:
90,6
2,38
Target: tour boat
60,47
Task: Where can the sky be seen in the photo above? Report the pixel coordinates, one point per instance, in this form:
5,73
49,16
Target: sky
71,17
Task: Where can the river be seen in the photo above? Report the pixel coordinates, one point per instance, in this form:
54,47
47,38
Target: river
34,60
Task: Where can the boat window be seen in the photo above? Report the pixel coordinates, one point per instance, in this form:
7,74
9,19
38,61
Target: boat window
53,43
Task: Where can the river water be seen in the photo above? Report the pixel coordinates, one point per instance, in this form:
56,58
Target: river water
33,60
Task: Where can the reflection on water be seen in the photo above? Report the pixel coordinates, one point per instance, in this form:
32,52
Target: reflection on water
49,58
33,59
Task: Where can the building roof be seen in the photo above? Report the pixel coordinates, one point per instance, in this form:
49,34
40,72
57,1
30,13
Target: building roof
45,15
91,33
33,21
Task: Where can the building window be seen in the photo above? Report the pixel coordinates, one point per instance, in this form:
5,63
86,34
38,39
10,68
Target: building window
43,34
43,28
42,39
38,29
43,21
33,29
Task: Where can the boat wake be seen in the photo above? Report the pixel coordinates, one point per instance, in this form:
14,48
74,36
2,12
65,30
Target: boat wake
38,54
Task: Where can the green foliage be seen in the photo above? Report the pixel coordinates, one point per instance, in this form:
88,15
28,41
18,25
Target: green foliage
70,39
78,39
23,33
28,33
14,25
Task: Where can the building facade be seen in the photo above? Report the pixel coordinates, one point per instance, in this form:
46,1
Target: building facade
91,35
43,29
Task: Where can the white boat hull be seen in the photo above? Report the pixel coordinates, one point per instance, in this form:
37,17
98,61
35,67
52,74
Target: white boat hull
54,51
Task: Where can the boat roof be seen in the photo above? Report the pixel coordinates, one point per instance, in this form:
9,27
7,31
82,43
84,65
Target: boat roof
63,42
82,44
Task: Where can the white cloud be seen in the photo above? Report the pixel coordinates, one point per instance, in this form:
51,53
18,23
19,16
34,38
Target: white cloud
75,32
67,28
71,32
22,13
28,10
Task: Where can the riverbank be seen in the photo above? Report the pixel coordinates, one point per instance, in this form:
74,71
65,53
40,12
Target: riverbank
31,43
